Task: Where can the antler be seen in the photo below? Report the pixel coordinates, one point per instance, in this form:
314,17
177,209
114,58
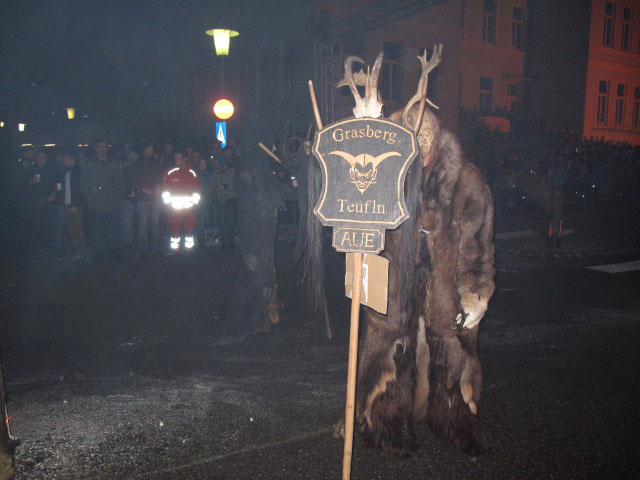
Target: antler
433,62
371,105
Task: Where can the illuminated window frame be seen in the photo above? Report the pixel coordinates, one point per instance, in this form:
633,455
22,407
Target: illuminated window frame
621,92
517,28
625,41
635,115
485,100
602,115
489,21
608,24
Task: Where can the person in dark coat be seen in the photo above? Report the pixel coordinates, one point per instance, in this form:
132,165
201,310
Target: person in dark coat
70,203
102,186
253,306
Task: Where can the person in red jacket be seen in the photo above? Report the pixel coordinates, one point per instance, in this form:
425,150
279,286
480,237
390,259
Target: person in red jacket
181,191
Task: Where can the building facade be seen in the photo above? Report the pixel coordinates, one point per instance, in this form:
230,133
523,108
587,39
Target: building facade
584,60
483,55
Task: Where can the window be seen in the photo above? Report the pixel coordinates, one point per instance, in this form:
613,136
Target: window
432,84
620,94
607,33
635,118
603,101
511,97
517,28
489,21
352,46
625,43
486,94
391,75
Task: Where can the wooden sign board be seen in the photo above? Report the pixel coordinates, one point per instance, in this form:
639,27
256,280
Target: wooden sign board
375,281
364,163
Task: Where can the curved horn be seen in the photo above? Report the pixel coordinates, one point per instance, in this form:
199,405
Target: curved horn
348,77
351,160
377,160
372,86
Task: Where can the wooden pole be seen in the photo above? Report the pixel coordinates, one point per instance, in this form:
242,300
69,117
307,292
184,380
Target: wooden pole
314,103
352,366
327,323
269,152
316,112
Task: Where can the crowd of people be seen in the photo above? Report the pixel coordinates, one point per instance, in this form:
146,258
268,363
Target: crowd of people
102,202
527,164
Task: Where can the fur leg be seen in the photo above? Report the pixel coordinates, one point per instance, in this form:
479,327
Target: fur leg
386,386
391,429
454,375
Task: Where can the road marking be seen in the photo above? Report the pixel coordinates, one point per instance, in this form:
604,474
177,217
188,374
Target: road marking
255,448
517,234
618,267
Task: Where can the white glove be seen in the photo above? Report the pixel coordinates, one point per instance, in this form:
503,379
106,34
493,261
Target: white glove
475,307
196,198
166,197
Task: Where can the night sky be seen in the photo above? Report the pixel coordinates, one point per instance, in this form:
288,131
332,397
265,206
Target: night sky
98,56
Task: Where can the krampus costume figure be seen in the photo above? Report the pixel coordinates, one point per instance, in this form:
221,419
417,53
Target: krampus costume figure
419,361
298,165
253,306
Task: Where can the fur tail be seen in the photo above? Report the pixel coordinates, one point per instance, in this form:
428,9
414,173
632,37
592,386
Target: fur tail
448,414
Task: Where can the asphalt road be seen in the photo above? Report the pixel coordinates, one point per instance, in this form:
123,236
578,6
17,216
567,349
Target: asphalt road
111,374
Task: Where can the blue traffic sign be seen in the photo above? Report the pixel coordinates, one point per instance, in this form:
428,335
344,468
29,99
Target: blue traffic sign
221,133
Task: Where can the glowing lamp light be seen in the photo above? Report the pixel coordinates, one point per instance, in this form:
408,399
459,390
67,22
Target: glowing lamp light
21,127
1,124
71,113
221,38
223,109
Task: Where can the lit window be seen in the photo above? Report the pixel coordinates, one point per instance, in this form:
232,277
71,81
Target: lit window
486,94
489,21
517,28
607,33
620,94
511,97
625,42
635,118
603,101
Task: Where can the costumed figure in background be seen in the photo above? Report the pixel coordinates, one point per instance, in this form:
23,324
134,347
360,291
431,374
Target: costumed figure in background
297,162
253,307
419,361
181,191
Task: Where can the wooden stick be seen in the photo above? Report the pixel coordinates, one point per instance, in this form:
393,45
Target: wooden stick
269,152
314,103
309,131
325,310
316,112
352,365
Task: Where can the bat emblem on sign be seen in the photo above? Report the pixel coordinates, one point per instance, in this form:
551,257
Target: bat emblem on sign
364,167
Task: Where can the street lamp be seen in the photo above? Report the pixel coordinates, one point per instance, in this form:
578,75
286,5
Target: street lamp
71,113
221,40
21,127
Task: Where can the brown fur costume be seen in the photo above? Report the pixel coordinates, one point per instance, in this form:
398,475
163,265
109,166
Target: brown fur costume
413,364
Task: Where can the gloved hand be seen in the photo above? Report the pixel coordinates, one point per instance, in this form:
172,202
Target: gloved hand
166,197
196,198
475,307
